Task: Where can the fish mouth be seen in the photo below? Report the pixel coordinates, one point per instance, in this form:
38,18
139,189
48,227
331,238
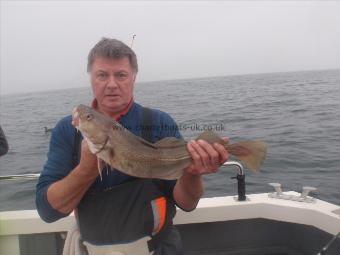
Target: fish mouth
75,118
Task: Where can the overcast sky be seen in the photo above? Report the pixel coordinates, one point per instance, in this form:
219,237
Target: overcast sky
44,45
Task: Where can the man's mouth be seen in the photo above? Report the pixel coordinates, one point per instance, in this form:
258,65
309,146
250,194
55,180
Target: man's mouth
112,95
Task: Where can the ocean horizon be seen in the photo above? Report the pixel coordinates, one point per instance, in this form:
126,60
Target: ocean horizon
174,79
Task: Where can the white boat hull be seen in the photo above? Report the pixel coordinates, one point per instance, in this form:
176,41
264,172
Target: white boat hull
320,215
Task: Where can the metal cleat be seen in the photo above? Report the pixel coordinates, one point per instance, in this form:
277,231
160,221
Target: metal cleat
306,190
278,191
302,198
304,194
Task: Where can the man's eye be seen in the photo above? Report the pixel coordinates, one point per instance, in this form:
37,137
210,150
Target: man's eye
121,76
102,76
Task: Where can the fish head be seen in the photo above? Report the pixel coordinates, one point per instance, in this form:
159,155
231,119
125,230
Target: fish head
94,126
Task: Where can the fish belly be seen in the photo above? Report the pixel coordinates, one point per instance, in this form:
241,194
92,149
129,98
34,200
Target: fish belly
139,165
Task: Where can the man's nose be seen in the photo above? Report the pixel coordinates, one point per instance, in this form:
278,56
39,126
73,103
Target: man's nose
112,82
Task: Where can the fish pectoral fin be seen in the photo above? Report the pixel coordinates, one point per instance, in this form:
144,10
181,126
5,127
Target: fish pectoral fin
112,153
111,158
100,164
170,142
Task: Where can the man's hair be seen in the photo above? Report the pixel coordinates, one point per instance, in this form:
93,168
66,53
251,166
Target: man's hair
112,49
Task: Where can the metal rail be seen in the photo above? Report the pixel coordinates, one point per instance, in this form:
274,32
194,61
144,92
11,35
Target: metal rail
325,248
234,163
19,176
36,175
240,177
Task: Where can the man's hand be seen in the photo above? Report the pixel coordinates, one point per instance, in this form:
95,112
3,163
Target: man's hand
88,161
206,158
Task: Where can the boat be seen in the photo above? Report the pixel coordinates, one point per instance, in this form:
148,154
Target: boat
274,223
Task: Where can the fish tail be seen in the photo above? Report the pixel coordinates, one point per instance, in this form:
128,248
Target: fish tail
251,153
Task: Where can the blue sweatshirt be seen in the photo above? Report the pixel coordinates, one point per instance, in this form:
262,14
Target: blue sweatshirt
60,158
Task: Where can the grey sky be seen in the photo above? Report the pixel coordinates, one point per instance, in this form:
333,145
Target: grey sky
44,45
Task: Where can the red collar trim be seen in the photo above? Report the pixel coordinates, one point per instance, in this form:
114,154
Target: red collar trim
94,105
125,110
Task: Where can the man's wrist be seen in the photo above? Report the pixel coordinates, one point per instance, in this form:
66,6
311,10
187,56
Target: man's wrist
192,182
192,175
86,172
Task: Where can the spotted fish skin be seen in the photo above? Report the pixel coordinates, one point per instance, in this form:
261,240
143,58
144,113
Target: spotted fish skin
166,159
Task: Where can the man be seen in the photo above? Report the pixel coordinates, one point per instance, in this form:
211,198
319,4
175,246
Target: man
3,143
119,208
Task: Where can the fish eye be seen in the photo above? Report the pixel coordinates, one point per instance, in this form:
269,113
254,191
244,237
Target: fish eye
89,116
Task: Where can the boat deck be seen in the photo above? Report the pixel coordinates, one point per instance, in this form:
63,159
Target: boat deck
220,225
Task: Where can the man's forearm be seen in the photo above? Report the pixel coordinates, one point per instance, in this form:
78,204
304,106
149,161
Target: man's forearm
188,191
64,195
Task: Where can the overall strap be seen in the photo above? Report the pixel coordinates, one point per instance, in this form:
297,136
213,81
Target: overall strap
77,147
147,124
160,205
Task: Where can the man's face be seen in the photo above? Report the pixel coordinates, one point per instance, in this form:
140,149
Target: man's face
112,83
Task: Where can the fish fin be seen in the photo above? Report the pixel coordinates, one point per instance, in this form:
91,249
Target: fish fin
251,153
107,167
112,154
170,142
100,164
210,137
146,143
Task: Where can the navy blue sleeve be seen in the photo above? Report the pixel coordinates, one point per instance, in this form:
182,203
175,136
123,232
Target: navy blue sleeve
169,127
58,165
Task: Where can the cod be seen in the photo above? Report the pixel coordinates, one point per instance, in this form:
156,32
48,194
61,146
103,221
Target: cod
165,159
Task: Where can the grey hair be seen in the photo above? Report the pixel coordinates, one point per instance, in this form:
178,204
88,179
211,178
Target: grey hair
112,49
